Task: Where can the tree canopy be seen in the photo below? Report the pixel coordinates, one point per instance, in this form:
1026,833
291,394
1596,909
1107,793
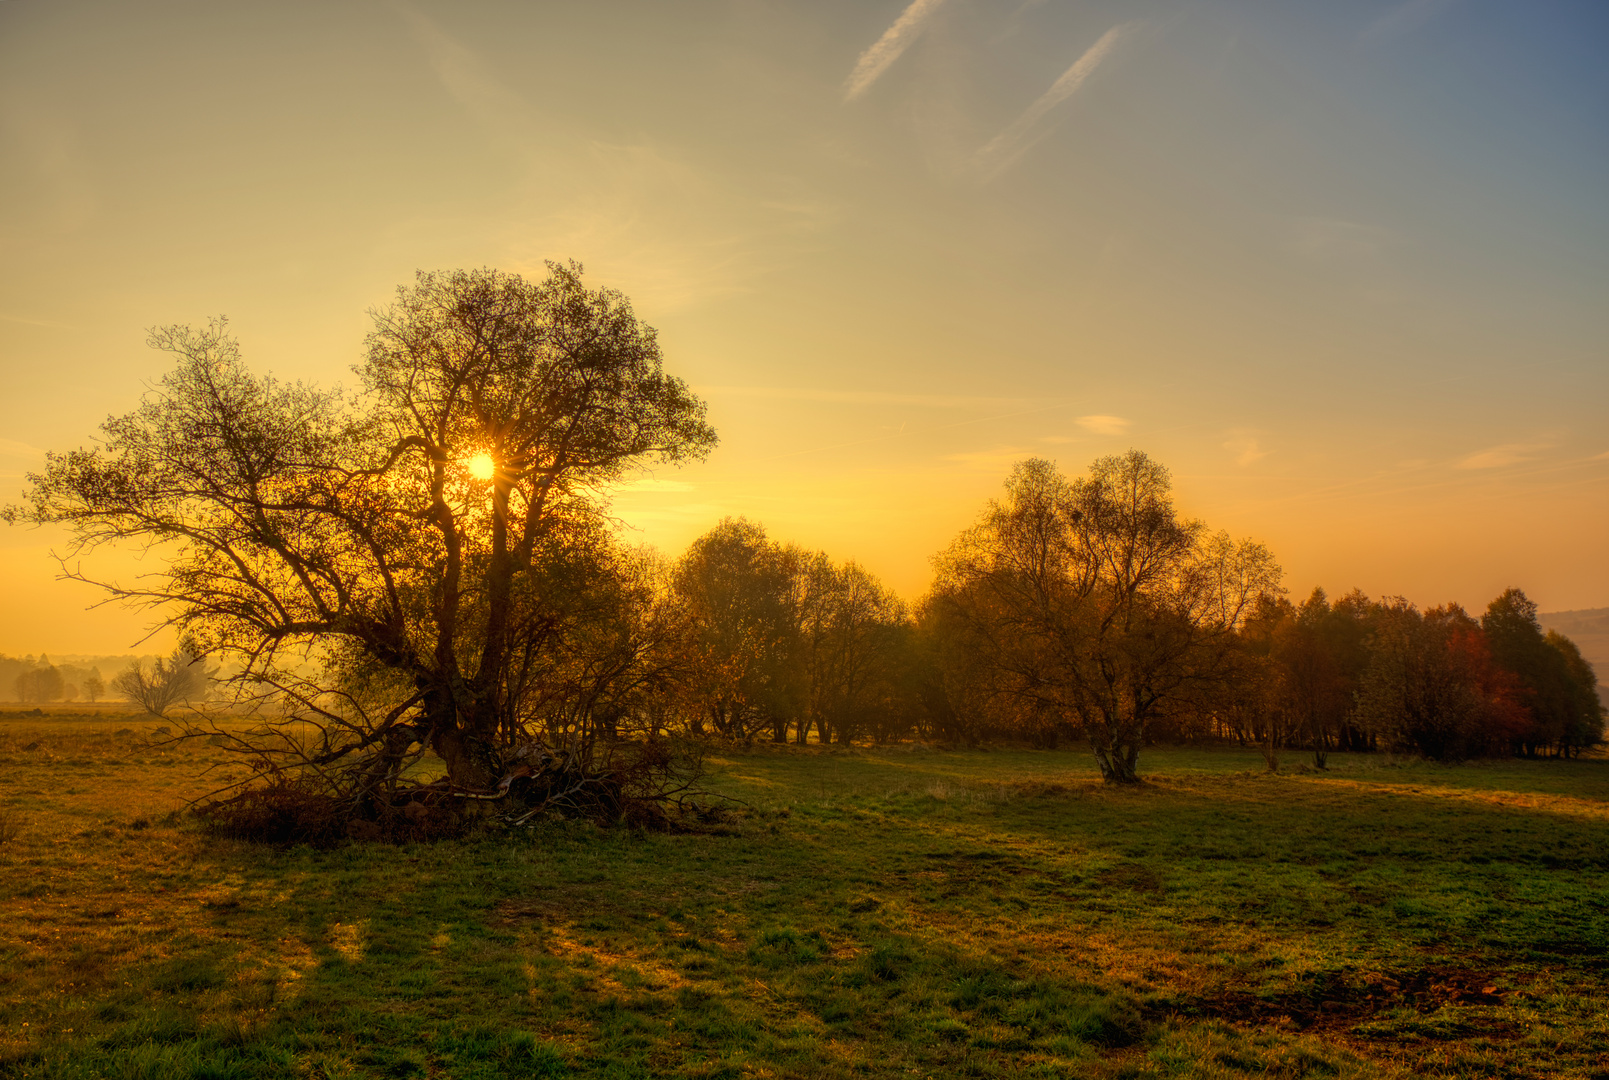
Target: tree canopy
1090,603
422,530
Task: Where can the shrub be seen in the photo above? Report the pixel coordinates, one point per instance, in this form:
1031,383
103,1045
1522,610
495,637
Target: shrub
10,826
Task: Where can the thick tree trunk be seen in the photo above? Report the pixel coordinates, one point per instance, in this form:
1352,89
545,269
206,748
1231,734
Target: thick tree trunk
1117,754
472,762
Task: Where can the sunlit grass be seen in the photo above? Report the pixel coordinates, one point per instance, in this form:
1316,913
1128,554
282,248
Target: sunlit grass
879,913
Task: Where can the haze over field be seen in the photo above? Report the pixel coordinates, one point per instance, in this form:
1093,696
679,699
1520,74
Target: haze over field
1341,267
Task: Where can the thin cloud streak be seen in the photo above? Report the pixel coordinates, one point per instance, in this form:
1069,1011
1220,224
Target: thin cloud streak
1004,148
861,397
1245,447
1405,19
463,75
1498,457
46,323
1104,425
895,40
996,460
918,431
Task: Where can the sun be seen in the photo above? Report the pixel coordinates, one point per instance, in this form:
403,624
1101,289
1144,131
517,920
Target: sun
481,466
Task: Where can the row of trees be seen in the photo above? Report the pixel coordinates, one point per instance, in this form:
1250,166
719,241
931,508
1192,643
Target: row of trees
1360,674
181,678
1088,608
782,643
426,567
39,681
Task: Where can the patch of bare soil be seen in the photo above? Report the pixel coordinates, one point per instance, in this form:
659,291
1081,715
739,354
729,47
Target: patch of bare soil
1337,1005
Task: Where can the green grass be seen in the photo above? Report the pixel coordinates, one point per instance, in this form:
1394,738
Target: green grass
889,913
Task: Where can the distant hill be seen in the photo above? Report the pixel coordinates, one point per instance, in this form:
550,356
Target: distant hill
1589,629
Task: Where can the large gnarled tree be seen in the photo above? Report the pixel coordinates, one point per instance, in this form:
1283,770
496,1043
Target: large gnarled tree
424,541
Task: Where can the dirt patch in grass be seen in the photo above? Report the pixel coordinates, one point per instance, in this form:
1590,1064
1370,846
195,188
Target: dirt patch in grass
1338,1004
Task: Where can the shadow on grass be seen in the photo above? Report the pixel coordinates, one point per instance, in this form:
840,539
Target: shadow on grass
973,920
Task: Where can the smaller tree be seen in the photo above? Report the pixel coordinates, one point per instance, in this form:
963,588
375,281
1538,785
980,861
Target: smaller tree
178,679
737,589
94,687
1092,602
52,686
1584,717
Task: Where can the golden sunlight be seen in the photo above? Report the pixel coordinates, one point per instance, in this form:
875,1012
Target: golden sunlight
481,466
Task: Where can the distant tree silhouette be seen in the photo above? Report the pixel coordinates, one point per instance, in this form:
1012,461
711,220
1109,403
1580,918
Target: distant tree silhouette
854,637
181,678
738,590
1584,718
42,683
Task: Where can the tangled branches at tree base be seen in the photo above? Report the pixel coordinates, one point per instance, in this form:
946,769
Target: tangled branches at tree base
646,786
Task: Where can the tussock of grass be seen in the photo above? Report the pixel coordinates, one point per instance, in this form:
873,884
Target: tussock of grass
899,913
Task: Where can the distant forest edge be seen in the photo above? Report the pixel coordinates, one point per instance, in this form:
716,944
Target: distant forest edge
69,678
1587,627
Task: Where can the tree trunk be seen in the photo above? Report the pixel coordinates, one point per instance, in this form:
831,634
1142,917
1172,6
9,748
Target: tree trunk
1117,755
472,762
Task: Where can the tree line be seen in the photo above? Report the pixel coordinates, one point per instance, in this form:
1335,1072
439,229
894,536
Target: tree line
1088,609
154,683
426,567
38,680
1362,674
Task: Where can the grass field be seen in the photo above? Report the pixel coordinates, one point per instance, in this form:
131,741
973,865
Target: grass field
881,913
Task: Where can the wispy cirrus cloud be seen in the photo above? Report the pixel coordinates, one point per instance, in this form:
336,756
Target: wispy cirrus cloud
651,213
1000,151
1245,446
888,48
1502,455
1104,425
48,324
17,457
654,485
993,460
1405,18
1333,238
863,397
468,80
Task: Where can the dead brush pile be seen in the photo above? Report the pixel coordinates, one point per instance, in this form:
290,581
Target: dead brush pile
648,785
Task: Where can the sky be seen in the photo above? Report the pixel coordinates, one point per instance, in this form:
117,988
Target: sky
1343,268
